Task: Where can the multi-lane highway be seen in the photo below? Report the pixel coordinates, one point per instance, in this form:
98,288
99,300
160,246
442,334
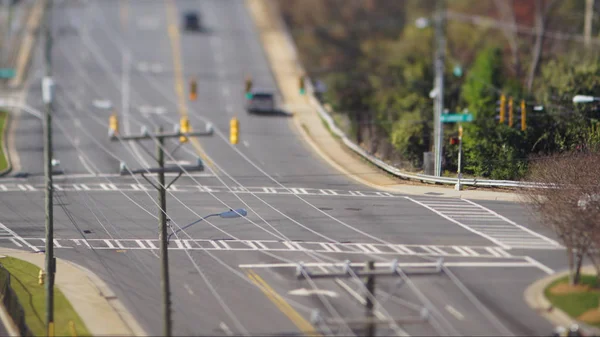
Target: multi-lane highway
236,276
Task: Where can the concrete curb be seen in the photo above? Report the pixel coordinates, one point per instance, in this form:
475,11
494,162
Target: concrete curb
535,298
8,322
28,43
5,138
94,301
271,29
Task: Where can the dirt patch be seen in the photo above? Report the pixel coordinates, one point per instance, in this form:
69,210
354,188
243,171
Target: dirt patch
591,316
565,288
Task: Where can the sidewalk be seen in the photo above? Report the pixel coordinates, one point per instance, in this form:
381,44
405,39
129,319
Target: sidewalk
286,69
535,298
98,307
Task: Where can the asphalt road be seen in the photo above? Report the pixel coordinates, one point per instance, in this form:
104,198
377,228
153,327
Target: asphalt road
300,209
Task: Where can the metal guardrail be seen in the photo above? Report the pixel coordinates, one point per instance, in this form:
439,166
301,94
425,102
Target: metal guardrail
11,303
405,175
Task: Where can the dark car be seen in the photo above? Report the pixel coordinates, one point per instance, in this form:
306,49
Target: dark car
191,21
261,101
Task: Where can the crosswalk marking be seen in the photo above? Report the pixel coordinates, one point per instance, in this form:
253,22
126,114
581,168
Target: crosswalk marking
488,224
138,188
268,245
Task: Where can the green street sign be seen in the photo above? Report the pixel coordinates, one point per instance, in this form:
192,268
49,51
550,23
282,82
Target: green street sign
7,73
456,118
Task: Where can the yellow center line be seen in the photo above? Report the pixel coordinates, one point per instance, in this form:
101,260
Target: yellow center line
300,322
175,38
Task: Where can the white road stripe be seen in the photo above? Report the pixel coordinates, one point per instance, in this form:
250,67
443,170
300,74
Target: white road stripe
141,244
455,312
470,251
497,242
16,242
460,251
492,251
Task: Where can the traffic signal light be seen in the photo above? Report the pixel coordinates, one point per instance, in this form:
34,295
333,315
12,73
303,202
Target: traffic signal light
234,130
184,127
523,115
113,123
502,108
301,85
193,90
453,140
248,87
460,132
510,112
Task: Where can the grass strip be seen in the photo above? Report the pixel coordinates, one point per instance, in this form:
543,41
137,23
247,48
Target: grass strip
32,296
576,301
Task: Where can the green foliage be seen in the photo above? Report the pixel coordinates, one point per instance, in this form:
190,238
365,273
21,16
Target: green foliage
379,69
485,74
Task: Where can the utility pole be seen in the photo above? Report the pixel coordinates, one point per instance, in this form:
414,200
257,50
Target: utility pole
587,26
440,21
368,299
182,133
370,272
47,94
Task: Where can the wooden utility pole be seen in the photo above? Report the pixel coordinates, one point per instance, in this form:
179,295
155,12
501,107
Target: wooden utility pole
160,137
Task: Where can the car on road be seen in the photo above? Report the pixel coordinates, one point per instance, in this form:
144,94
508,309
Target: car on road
191,21
261,102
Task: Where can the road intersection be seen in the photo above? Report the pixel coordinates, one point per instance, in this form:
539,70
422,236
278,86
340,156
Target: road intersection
300,209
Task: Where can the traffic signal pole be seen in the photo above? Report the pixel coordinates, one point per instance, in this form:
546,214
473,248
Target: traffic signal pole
182,134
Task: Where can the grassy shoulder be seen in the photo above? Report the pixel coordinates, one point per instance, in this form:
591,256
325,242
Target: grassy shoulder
24,281
3,161
581,301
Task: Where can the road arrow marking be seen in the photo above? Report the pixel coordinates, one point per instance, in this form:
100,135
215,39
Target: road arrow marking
307,292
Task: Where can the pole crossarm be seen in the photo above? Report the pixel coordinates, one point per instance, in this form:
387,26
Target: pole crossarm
162,135
363,321
170,169
349,271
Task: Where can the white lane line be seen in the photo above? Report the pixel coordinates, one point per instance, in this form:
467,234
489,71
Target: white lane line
455,312
189,290
86,165
13,240
225,329
18,237
460,224
538,264
470,251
